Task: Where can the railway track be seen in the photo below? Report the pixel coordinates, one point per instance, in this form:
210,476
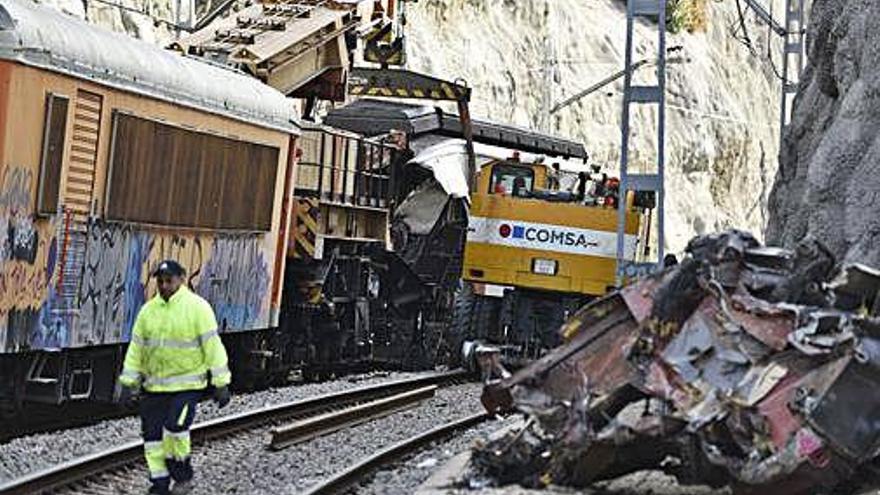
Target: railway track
307,418
40,418
364,468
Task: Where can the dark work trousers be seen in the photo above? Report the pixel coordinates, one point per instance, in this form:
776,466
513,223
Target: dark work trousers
165,422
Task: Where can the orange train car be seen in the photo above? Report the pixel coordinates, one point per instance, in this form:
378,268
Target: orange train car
116,154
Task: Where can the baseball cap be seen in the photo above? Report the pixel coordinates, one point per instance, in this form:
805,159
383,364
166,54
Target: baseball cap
169,267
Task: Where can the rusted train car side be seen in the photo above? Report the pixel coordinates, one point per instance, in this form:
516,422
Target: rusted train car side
116,154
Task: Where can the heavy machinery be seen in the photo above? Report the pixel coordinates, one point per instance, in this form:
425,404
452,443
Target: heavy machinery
535,253
530,257
349,300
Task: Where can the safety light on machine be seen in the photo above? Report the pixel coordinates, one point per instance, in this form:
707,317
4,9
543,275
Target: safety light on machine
544,266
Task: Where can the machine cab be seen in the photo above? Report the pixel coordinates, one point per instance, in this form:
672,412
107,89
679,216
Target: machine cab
512,178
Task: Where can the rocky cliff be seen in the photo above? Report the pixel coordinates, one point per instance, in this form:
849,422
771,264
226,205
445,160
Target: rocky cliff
828,184
521,57
722,106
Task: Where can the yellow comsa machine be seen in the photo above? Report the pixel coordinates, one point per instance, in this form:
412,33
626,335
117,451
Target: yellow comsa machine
537,250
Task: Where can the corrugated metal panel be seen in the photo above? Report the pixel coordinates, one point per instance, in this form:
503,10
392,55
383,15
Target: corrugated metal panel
79,189
168,175
43,37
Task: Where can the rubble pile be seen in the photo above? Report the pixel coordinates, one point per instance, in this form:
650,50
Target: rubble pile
747,366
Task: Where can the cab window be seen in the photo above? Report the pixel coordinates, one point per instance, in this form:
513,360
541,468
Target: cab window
506,178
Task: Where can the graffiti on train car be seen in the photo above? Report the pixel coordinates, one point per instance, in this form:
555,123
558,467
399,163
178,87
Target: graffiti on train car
105,278
26,247
116,277
21,235
111,281
235,279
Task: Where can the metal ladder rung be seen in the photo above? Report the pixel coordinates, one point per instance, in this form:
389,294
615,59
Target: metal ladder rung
645,94
646,7
790,87
644,182
795,47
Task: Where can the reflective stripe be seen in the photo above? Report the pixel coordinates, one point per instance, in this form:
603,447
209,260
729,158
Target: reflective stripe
176,344
173,343
182,418
207,336
132,374
175,379
219,370
180,435
157,444
158,475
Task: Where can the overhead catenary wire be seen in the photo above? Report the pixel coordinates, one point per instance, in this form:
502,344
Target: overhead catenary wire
615,76
746,40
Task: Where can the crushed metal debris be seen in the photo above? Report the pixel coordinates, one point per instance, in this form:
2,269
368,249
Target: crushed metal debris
744,366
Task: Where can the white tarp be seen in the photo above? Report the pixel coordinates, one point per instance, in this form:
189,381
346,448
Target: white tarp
448,161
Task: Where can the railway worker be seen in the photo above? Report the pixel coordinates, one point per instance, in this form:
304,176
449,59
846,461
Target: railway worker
554,176
175,353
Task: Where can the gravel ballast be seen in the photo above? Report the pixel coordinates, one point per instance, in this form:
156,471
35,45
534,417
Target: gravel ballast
407,477
242,463
245,466
27,454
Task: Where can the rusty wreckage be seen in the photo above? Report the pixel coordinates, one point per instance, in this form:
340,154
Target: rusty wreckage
746,366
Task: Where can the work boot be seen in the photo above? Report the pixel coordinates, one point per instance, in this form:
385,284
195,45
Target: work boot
160,487
182,487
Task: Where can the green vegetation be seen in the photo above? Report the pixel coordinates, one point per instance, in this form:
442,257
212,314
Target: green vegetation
686,15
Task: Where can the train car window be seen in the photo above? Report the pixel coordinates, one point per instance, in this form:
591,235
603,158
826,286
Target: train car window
54,133
168,175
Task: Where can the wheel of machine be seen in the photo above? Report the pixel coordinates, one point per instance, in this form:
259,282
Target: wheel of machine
460,328
474,317
485,319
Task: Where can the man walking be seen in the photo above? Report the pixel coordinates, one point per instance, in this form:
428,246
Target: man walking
174,354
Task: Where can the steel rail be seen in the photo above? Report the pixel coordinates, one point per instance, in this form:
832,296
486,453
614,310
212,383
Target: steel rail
357,472
324,424
84,467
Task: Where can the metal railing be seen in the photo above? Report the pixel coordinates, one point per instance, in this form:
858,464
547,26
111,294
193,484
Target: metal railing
344,168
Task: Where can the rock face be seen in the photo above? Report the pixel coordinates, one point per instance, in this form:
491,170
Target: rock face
828,184
148,28
722,106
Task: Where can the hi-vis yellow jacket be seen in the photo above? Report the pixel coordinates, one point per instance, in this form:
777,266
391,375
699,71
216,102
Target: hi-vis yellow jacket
175,346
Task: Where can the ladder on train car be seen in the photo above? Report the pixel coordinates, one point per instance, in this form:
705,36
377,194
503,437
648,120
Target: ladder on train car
637,95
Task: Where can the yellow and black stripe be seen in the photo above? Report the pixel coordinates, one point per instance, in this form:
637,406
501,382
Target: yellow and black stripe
383,48
307,213
442,92
401,83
